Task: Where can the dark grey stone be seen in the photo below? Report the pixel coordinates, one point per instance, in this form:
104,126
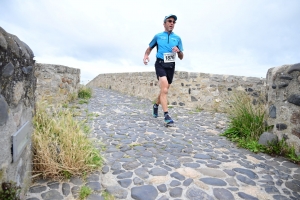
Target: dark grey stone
94,197
202,156
221,193
53,184
191,165
177,176
162,188
295,67
125,175
187,182
176,192
281,126
37,189
293,185
8,70
294,99
142,173
279,182
125,182
272,111
246,172
196,193
145,192
280,197
3,111
51,195
158,172
174,183
131,165
172,162
290,164
65,189
213,181
233,189
75,191
193,99
246,196
138,181
116,166
282,85
229,172
286,77
33,198
163,198
246,180
76,180
271,189
274,86
96,186
118,171
92,177
117,192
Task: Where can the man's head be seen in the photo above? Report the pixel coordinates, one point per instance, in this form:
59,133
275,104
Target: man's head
169,22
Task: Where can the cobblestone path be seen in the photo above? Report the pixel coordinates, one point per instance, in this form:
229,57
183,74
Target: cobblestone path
147,161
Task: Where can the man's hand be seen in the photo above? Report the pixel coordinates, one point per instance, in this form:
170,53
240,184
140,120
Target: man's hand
146,59
175,49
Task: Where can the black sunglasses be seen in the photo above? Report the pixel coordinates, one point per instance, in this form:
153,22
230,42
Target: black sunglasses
170,21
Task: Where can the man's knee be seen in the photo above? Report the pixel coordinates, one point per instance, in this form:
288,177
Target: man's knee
164,90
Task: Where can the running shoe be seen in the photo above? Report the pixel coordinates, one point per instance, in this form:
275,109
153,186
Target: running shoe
155,111
168,119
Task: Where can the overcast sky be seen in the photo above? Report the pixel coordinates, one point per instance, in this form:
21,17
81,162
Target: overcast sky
234,37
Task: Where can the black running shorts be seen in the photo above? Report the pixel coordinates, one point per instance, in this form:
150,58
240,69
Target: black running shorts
164,69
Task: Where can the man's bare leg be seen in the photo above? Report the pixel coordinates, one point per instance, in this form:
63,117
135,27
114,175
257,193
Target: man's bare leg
162,97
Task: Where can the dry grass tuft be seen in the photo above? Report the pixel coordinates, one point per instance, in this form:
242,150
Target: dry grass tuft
60,146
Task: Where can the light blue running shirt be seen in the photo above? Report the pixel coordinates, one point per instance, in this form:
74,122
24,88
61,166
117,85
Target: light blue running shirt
165,42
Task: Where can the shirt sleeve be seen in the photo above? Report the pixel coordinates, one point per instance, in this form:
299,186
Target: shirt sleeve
180,47
153,42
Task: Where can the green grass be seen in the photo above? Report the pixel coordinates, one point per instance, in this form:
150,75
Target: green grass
247,124
84,92
84,192
107,196
10,191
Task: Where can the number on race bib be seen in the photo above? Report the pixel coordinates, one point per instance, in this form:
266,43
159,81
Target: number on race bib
169,57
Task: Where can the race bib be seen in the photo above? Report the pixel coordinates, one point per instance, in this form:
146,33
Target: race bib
169,57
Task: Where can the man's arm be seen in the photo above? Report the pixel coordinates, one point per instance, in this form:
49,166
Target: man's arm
180,55
146,56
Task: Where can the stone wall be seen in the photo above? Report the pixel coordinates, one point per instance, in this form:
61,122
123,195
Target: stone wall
194,90
56,82
17,104
283,108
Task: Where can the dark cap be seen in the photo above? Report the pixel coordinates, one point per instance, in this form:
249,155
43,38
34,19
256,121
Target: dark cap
169,16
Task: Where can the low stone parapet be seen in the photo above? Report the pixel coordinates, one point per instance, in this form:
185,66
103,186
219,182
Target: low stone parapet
191,89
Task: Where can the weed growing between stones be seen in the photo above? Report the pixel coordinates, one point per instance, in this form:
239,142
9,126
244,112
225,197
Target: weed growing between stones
60,145
10,191
107,196
247,124
84,92
84,192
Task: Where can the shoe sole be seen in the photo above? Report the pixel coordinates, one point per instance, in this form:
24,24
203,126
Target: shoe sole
169,125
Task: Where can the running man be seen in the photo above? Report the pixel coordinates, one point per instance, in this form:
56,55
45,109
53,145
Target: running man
168,45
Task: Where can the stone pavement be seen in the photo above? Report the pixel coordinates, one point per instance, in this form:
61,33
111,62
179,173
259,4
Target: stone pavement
147,161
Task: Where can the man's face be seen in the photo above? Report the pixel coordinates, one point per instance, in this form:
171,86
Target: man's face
169,24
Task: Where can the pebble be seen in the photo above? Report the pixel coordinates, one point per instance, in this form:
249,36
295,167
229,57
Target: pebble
147,161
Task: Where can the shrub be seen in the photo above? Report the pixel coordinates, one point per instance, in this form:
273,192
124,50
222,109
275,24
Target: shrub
10,191
84,92
60,146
